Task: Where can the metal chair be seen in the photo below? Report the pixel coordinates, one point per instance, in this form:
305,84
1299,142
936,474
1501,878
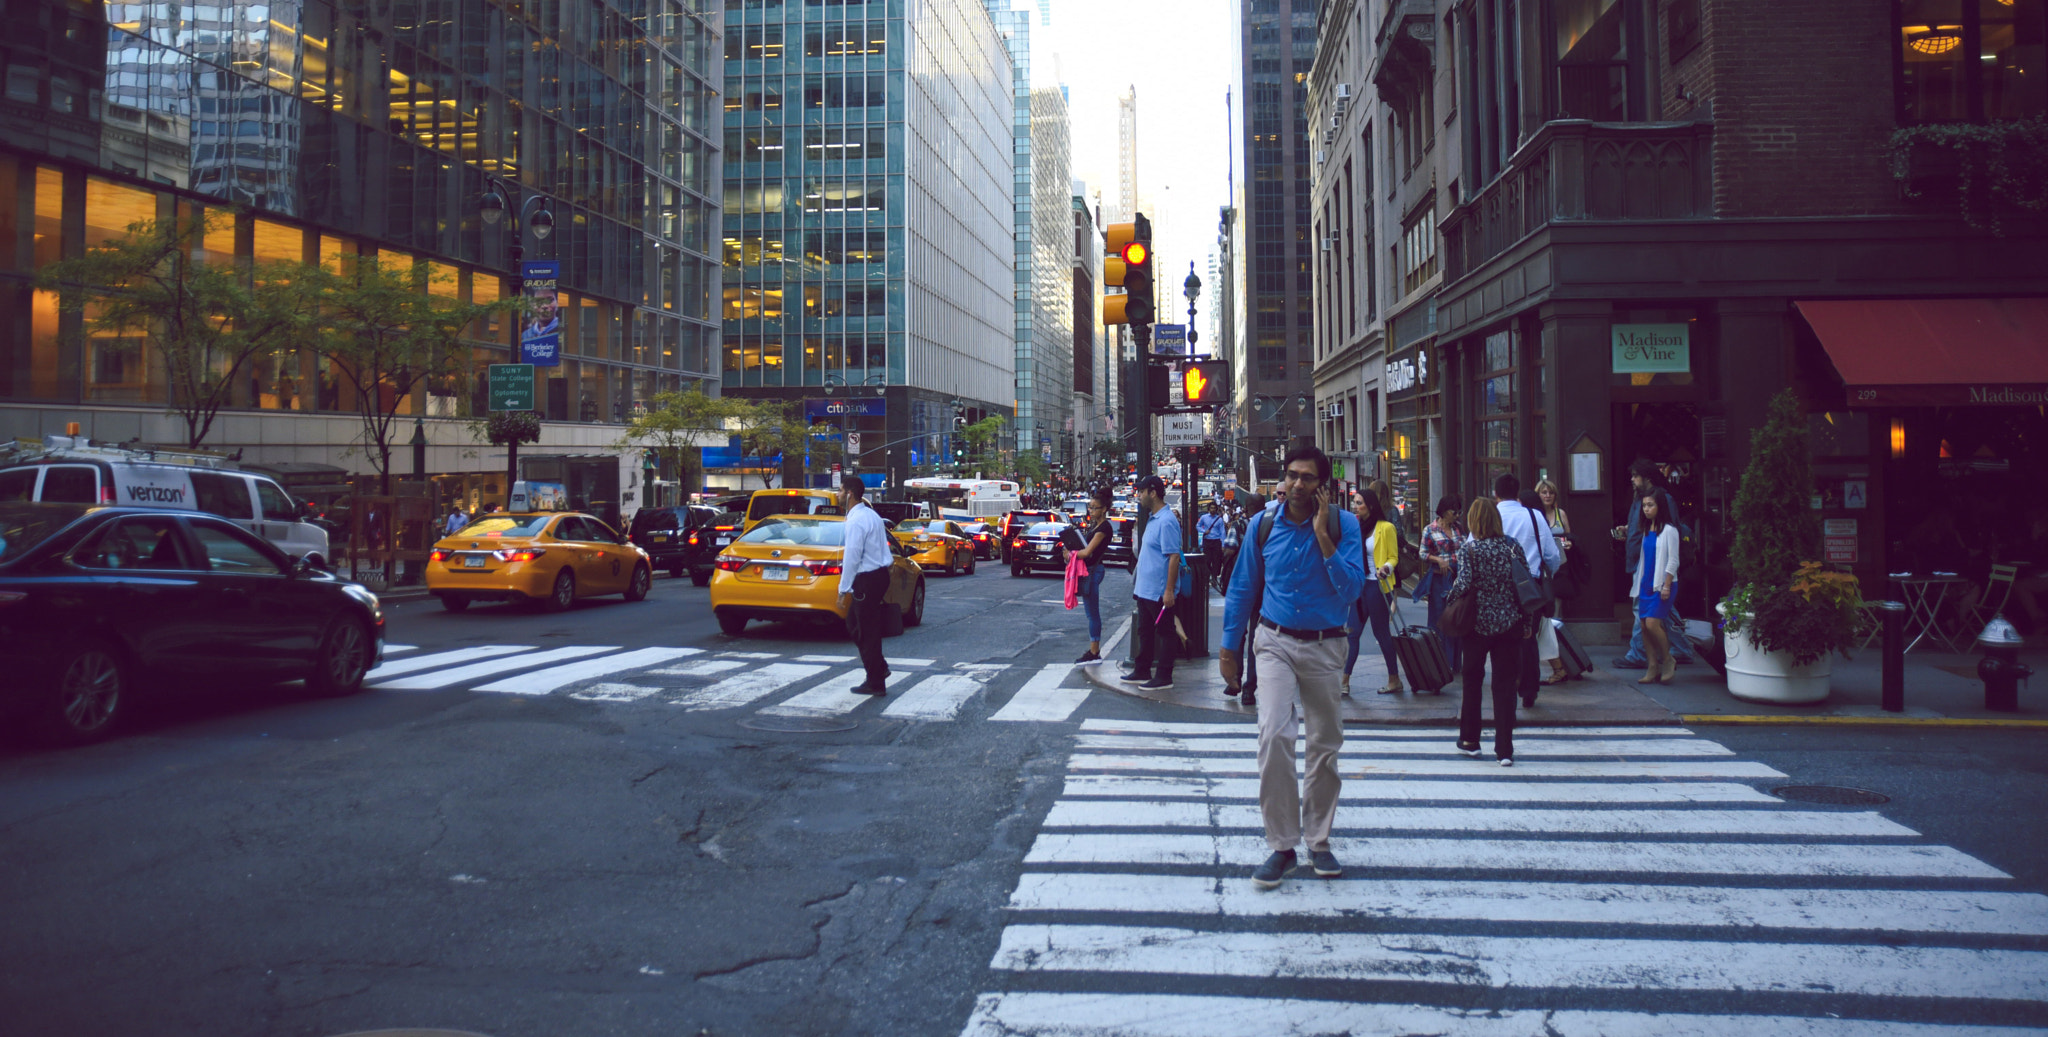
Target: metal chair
2000,585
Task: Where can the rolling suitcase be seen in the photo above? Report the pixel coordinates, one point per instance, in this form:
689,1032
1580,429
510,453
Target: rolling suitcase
1571,653
1421,654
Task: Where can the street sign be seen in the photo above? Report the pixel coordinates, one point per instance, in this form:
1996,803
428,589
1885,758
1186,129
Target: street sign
853,442
1182,430
511,386
1169,338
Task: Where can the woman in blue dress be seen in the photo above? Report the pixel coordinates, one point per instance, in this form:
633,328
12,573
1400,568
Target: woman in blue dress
1656,578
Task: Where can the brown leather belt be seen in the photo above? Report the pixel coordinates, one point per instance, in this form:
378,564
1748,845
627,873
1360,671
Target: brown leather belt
1302,635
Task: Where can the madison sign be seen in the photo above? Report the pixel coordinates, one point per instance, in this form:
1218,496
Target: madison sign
1652,348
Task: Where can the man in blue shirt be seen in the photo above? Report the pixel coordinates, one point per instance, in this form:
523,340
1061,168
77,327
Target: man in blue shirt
1209,530
1305,579
1152,583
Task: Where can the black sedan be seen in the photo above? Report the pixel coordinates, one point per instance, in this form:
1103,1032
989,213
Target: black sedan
99,606
1119,550
986,540
1041,546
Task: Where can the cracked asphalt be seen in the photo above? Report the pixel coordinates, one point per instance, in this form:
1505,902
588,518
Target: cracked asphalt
249,862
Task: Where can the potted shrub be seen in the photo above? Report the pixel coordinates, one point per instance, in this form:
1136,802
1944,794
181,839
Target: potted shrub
1787,614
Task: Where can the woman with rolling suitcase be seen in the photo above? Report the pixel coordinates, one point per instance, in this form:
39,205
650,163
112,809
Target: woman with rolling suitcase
1382,553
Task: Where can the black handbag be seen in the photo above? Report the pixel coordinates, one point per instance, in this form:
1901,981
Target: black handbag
1532,593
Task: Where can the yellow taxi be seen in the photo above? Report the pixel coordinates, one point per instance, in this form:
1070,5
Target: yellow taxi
787,567
789,502
937,544
553,558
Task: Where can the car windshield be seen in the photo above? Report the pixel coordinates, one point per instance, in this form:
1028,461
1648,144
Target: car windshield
797,532
23,526
1045,529
506,526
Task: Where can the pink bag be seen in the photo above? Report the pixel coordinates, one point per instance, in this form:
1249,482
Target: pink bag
1077,570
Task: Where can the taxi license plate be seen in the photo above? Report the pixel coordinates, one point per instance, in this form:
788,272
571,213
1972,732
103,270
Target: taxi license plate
473,562
775,573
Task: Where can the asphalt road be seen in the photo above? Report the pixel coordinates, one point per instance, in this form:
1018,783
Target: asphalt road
618,854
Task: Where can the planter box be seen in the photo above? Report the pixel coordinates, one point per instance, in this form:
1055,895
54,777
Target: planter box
1755,675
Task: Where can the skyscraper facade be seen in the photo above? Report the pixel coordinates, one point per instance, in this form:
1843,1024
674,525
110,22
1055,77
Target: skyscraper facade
1276,403
869,193
310,130
1051,360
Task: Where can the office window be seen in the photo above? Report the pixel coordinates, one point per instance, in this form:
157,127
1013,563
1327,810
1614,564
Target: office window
1938,81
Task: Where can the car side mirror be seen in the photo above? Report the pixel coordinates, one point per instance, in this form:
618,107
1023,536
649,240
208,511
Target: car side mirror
307,565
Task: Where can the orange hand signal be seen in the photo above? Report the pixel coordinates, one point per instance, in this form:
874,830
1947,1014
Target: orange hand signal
1195,385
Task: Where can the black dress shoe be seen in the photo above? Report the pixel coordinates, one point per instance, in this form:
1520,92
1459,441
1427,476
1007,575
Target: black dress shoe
876,690
1249,698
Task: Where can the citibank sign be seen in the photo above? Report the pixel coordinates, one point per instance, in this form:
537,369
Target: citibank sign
1409,372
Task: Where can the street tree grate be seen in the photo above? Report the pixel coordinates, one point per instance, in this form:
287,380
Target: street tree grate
1838,795
798,725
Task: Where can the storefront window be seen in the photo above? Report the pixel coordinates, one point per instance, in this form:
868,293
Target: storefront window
1494,409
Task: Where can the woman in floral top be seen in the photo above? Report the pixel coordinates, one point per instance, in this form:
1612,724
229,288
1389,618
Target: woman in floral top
1440,540
1485,567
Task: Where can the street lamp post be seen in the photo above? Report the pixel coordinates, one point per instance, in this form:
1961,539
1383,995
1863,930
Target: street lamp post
494,205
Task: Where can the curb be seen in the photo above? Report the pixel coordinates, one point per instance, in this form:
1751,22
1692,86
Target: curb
1846,721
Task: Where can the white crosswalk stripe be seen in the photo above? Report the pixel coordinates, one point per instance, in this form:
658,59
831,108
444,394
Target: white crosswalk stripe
477,671
693,680
1599,884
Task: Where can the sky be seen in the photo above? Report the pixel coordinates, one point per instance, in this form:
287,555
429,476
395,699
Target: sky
1182,57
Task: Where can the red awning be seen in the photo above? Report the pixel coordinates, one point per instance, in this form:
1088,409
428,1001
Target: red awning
1936,352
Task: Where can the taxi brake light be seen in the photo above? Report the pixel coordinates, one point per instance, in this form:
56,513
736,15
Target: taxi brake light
727,563
526,554
438,556
824,568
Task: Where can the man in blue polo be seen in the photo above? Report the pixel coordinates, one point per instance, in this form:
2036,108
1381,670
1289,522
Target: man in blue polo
1305,578
1152,584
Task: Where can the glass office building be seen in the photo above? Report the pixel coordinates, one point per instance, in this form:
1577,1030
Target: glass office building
867,220
315,130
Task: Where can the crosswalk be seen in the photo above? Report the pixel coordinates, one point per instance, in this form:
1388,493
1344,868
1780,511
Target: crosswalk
1616,881
696,680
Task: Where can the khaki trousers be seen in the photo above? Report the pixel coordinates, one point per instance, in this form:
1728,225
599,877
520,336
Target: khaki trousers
1299,682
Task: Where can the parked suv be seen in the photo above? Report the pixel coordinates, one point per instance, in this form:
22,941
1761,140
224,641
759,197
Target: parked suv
101,475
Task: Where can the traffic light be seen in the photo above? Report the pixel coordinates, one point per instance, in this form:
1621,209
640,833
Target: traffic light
1128,265
1204,383
1188,385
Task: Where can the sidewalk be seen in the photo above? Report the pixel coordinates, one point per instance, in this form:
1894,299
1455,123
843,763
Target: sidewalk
1941,688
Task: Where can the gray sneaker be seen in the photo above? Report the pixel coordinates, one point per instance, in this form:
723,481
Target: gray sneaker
1325,863
1269,874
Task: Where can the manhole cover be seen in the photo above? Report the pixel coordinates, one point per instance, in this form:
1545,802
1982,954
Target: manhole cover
1840,795
800,725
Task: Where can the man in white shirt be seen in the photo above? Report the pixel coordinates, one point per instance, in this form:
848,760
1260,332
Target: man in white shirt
864,580
1517,520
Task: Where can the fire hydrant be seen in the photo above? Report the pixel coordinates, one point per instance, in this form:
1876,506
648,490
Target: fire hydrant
2001,669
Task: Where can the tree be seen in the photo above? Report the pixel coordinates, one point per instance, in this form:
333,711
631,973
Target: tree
1774,523
1031,467
382,332
676,423
981,437
767,429
206,320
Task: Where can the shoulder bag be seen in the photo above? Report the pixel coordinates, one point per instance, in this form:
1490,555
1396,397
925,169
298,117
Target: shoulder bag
1532,594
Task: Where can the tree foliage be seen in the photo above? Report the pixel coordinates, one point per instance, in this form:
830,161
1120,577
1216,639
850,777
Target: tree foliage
675,423
1784,596
506,427
206,320
1775,526
387,336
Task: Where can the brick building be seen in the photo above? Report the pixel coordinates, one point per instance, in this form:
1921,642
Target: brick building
1654,214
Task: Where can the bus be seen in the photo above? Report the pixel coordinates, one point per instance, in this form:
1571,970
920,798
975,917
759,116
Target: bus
963,499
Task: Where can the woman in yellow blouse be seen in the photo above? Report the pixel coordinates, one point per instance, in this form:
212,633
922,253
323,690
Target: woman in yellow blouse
1382,550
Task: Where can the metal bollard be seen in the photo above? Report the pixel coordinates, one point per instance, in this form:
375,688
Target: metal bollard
1893,615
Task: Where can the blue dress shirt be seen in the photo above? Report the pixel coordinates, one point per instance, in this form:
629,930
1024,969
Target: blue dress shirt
1162,538
1304,590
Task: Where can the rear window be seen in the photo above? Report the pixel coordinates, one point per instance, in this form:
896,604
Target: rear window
791,504
506,526
1045,529
23,526
797,533
653,518
912,526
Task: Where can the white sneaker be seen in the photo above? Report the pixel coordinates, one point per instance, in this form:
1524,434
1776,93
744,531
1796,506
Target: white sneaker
1347,684
1507,761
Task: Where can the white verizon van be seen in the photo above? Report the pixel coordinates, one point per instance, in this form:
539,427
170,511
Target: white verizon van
104,476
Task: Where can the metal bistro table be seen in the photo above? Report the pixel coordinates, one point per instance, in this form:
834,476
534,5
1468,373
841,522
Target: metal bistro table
1923,594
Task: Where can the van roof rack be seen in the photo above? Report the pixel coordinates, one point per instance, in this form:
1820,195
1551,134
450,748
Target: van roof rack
26,449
